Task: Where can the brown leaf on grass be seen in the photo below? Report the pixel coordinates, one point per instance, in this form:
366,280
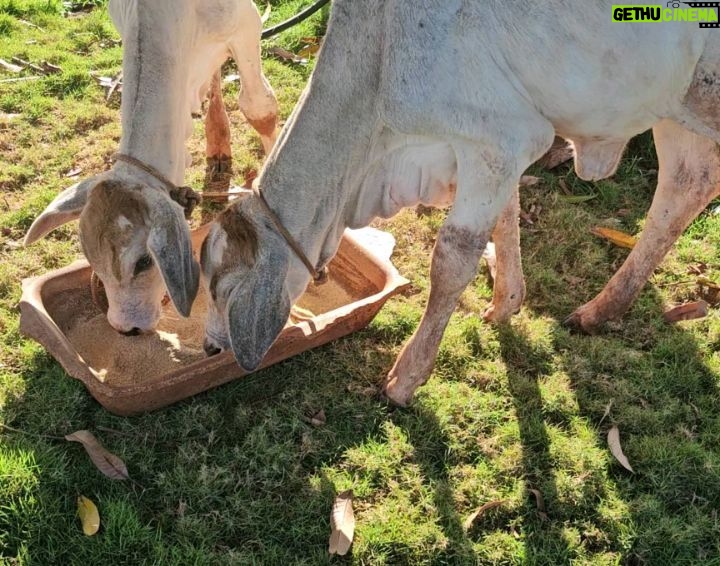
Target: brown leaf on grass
49,68
697,268
617,237
109,464
706,282
688,311
613,440
342,524
318,419
309,50
89,516
560,152
480,511
539,503
286,55
10,66
529,180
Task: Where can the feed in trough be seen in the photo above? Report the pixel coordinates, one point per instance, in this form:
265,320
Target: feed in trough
128,360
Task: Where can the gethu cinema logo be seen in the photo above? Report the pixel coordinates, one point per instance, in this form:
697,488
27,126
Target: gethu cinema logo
704,13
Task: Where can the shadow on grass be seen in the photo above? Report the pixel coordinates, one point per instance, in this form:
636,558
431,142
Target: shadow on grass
238,474
650,380
525,366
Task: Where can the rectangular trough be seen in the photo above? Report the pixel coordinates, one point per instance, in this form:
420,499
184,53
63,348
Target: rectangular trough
57,308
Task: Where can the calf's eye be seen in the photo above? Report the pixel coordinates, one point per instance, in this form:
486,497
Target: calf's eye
143,264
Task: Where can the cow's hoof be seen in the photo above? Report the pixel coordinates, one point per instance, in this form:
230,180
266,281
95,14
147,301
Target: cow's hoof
394,394
499,315
578,323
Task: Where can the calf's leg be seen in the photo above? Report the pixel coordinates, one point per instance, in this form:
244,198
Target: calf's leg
688,179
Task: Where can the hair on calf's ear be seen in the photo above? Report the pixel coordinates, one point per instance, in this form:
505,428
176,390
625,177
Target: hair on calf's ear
66,207
257,310
170,245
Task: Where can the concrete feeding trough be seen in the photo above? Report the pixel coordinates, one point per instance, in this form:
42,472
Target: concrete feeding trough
130,375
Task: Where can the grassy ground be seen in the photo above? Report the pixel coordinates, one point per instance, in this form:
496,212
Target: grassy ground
237,476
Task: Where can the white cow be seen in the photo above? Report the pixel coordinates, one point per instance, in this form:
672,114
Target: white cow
449,101
134,236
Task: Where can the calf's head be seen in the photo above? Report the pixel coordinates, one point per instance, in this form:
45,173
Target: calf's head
136,240
251,283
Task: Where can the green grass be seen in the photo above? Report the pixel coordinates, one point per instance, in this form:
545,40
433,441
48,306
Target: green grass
237,476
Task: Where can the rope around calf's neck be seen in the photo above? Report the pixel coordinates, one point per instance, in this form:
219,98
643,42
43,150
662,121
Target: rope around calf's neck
184,196
188,199
319,276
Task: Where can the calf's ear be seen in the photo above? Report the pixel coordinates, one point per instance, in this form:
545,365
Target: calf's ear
170,246
66,207
258,308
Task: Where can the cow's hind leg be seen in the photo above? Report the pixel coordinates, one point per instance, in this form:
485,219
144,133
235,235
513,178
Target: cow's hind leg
257,99
688,179
218,171
456,254
509,284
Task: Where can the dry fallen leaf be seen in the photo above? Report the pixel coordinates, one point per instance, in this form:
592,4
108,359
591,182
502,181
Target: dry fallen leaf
319,418
613,440
10,66
74,172
286,55
707,282
89,516
688,311
342,524
109,464
479,512
539,503
560,152
529,180
617,237
309,50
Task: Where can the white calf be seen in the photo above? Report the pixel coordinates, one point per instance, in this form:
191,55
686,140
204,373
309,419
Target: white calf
133,234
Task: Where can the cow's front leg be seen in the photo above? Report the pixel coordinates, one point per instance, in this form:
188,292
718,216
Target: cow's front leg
218,172
688,179
509,283
454,263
